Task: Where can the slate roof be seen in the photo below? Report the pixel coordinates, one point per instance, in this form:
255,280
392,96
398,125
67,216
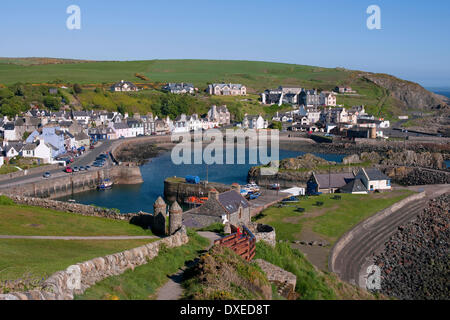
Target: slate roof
376,175
354,186
231,200
228,203
333,180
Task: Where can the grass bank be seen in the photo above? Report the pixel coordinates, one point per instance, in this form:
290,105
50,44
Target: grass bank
311,283
34,221
41,258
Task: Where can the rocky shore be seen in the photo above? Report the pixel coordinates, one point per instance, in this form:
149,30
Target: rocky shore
415,262
139,153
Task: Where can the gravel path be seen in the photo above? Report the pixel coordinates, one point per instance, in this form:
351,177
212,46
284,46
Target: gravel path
173,290
78,238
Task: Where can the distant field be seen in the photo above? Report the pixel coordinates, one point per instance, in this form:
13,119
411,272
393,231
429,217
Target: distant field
256,75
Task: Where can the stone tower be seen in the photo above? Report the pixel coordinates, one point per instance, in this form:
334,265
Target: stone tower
175,218
159,217
160,206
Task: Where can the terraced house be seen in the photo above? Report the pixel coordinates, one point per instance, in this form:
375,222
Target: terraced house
227,89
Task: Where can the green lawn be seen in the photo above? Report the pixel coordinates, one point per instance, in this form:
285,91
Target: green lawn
34,221
332,219
143,282
41,258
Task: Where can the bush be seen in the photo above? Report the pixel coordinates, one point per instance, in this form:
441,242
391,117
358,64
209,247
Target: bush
5,201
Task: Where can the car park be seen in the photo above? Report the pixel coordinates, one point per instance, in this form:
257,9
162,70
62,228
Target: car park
82,168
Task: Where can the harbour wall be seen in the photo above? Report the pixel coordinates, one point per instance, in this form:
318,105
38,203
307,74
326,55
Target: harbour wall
176,189
75,183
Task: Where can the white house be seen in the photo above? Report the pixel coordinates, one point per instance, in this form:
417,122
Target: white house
10,132
124,86
374,179
227,89
2,161
39,149
254,122
327,99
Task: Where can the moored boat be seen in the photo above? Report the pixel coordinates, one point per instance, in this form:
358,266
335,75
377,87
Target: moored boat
105,185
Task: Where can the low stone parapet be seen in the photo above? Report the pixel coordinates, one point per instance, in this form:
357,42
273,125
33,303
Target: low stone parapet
284,280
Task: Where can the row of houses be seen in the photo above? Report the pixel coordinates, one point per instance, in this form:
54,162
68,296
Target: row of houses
217,89
298,96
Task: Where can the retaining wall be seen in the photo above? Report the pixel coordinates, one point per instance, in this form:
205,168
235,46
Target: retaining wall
63,285
75,183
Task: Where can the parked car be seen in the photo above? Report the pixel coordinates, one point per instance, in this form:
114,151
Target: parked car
47,175
91,147
76,169
82,168
87,168
68,169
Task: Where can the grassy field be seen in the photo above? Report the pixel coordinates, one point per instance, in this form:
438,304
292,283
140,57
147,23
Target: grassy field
34,221
143,282
41,258
332,219
256,75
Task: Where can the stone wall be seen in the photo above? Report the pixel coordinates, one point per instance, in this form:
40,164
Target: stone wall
63,285
285,281
264,233
176,189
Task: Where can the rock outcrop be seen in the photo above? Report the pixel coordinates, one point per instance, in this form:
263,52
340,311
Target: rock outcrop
412,95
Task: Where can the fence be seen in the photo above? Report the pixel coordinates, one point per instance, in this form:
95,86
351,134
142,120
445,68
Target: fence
242,243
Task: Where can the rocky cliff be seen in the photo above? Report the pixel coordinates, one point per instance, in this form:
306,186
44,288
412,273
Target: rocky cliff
411,94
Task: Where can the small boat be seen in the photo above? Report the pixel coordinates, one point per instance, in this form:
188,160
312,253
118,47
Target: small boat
105,185
275,186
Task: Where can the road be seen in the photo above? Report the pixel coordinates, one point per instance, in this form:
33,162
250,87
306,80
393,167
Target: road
353,260
87,159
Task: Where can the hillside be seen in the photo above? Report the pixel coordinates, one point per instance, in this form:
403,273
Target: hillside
383,95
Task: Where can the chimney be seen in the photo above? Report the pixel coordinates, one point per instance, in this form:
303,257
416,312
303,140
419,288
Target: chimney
213,194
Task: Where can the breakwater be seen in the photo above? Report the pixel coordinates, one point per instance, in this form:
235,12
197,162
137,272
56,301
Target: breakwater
75,183
177,189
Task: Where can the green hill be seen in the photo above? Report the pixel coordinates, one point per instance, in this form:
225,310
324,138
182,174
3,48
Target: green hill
383,95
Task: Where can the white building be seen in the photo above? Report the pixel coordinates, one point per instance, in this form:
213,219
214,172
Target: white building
374,179
254,122
227,89
327,99
39,150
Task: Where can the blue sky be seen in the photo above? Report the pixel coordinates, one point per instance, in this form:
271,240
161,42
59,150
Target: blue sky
412,44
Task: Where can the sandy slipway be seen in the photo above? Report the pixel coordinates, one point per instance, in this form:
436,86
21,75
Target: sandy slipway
415,262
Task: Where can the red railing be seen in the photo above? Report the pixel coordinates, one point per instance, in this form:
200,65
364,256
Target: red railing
242,243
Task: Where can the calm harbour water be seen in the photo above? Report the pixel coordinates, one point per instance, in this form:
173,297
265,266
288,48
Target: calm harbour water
141,197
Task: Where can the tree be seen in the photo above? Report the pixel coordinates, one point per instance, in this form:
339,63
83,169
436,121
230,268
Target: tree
276,125
77,88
